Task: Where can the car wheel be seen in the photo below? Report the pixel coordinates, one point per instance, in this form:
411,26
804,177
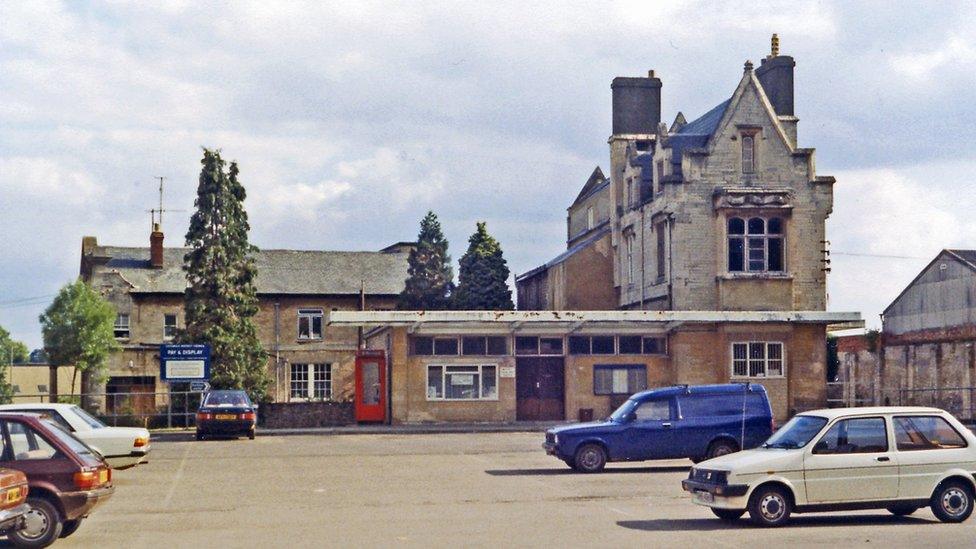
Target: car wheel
902,510
70,527
952,501
721,448
571,463
42,525
591,458
728,514
199,435
250,434
770,506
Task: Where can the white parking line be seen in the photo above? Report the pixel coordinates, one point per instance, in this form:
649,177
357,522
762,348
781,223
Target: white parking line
177,476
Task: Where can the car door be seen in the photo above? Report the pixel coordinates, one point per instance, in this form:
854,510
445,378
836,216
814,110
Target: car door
649,435
927,447
852,461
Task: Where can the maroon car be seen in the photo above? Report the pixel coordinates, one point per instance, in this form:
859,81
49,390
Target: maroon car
66,478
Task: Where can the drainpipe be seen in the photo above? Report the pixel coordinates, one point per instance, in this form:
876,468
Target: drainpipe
670,222
643,263
277,346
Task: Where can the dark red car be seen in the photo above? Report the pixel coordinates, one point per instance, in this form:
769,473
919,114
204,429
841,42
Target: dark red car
66,478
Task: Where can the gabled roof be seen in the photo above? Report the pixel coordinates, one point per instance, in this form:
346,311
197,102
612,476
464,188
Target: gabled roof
593,185
279,271
597,235
965,257
696,133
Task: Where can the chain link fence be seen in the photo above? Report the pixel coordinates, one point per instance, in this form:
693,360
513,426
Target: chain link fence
134,409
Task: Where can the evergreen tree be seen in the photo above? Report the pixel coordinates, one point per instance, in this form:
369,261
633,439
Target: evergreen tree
483,281
430,278
78,329
221,298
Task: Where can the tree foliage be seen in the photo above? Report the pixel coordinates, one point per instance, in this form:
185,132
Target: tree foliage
11,352
483,280
430,279
221,298
78,329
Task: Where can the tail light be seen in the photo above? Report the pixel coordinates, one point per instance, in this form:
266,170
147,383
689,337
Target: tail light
140,442
203,416
247,416
86,480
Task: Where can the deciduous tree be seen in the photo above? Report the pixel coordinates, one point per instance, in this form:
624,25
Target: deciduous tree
11,352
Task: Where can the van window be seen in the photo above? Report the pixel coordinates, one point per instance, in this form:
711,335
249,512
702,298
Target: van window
655,410
730,404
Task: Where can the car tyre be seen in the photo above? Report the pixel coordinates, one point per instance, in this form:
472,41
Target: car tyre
250,434
70,527
571,463
902,510
721,448
199,435
728,515
952,501
770,506
590,458
43,525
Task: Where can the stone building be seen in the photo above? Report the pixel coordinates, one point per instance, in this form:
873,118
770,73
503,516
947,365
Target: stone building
295,288
927,352
723,213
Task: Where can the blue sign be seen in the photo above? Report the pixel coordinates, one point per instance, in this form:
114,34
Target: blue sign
199,386
184,362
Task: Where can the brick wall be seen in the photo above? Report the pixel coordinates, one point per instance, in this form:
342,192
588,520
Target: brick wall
278,415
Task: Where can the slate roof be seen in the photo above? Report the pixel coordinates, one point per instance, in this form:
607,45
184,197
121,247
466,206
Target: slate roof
279,271
597,235
968,256
594,184
695,133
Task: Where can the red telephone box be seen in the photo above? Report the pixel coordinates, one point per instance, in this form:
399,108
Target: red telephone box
370,386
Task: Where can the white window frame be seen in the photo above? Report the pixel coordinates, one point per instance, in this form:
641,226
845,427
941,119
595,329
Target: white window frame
312,374
310,314
120,326
175,326
764,363
630,258
444,375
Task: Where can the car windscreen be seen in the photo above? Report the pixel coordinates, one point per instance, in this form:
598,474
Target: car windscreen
797,432
66,438
227,399
91,420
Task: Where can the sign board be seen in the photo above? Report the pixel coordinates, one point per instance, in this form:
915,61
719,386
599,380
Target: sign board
506,371
184,362
199,386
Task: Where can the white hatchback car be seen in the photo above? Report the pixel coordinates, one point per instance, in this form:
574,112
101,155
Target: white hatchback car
122,447
894,458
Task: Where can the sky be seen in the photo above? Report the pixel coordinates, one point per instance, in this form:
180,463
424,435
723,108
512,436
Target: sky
349,120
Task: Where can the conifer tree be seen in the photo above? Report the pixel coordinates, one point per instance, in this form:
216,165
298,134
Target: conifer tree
221,298
430,279
483,280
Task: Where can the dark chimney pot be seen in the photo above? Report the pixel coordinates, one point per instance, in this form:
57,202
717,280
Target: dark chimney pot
636,104
776,76
156,247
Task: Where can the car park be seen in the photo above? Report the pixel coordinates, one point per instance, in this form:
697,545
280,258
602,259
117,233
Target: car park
895,458
122,447
682,421
226,413
66,478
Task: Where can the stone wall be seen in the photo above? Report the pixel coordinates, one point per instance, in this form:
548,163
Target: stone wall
277,415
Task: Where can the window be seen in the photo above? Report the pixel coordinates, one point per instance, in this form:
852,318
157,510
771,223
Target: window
626,345
926,433
462,382
854,436
550,345
731,404
311,382
445,346
748,154
660,175
122,326
661,242
169,327
28,444
579,345
755,246
497,345
624,379
531,345
630,258
526,345
757,359
427,346
309,323
590,221
654,346
474,346
629,200
602,345
630,345
653,410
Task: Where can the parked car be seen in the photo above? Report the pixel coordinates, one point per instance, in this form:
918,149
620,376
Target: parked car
13,495
66,478
894,458
122,447
683,421
226,413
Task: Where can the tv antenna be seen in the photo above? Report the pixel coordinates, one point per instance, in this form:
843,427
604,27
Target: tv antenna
153,212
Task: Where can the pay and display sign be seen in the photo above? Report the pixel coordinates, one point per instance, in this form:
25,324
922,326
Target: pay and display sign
184,362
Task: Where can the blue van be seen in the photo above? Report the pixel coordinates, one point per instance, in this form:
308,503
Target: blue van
698,422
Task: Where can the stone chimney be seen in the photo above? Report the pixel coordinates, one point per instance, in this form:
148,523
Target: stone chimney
636,104
776,76
156,247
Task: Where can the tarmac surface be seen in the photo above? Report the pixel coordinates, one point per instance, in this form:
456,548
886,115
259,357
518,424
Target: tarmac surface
435,490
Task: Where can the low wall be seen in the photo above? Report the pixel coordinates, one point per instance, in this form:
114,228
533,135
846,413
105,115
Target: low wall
285,415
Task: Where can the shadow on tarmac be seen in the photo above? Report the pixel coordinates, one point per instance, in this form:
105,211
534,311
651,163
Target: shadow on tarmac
663,525
568,471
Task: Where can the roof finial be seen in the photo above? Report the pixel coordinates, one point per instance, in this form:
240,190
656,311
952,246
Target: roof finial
774,45
747,67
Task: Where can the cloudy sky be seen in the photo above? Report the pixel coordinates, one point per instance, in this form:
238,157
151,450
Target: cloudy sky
350,121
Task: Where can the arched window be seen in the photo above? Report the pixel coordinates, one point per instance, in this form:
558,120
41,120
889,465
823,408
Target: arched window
755,245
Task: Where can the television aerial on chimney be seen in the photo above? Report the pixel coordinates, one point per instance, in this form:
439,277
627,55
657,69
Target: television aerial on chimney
152,213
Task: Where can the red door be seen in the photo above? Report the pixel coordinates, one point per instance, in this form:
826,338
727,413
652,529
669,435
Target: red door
370,386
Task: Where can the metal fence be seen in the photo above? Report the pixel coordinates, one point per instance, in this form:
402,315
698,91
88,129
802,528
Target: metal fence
959,401
135,409
841,394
